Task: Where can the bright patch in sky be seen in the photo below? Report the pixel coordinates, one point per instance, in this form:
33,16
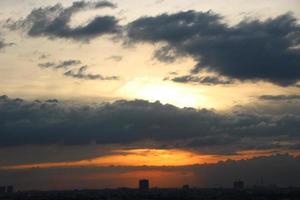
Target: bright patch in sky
165,92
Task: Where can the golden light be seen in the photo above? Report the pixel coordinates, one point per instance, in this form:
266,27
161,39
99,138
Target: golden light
165,92
149,157
134,157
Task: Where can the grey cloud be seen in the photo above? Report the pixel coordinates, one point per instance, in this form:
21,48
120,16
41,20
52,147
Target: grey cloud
61,64
50,153
46,65
115,58
43,56
53,22
68,63
252,171
52,101
81,74
173,73
126,122
205,80
165,54
4,44
279,97
230,145
250,50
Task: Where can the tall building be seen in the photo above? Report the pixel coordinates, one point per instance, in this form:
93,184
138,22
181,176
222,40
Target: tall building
238,185
186,187
10,189
144,184
2,189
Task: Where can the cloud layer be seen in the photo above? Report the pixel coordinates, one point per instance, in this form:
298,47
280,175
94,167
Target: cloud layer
127,122
280,97
250,50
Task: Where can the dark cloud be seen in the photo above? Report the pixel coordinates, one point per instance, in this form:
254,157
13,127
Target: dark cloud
126,122
115,58
61,64
81,74
205,80
250,50
3,44
52,101
46,64
165,54
53,22
50,153
279,97
173,73
252,171
44,56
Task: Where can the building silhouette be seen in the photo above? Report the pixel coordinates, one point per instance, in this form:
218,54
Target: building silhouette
144,184
2,189
238,184
6,189
10,189
186,187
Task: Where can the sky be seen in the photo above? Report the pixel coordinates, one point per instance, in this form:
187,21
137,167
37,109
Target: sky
103,93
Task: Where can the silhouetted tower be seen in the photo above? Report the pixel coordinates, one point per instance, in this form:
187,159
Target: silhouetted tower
238,185
2,189
10,189
186,187
144,184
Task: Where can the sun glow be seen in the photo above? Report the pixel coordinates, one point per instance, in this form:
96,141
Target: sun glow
165,92
132,157
147,157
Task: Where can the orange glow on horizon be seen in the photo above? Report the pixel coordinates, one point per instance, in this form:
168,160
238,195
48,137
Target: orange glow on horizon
150,157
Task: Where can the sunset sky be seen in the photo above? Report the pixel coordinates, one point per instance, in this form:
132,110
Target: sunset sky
104,93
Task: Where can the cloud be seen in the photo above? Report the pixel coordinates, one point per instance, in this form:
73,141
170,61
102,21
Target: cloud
53,22
51,153
52,101
62,64
116,58
252,171
165,54
3,44
173,73
205,80
279,97
126,122
250,50
43,56
81,74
